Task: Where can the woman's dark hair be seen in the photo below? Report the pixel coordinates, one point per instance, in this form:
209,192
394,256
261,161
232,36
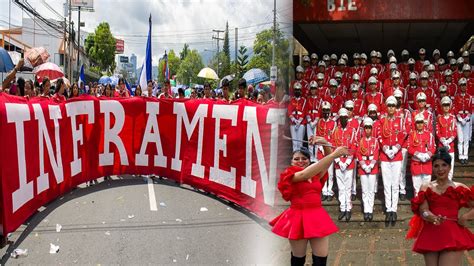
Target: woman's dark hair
121,81
304,151
59,84
21,85
442,154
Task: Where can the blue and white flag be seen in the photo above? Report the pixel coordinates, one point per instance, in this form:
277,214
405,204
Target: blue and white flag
146,72
82,77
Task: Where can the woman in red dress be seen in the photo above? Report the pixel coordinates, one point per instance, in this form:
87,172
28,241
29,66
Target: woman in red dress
441,235
305,220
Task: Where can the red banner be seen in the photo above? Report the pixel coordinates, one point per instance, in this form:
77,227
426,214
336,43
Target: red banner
47,149
307,11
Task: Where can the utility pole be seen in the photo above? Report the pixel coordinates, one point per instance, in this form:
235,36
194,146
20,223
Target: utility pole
273,68
274,32
70,44
218,39
78,38
236,43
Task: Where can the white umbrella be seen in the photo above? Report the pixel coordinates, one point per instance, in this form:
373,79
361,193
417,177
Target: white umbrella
208,73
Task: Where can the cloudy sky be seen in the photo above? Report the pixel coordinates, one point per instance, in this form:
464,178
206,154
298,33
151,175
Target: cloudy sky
175,22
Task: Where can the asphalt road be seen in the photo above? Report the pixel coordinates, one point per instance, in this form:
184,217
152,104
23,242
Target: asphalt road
112,223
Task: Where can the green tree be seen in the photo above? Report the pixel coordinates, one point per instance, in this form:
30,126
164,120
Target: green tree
100,47
242,60
214,61
184,52
173,65
225,68
262,48
189,68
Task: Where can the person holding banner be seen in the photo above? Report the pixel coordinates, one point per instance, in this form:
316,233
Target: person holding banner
440,232
305,220
58,97
45,85
122,91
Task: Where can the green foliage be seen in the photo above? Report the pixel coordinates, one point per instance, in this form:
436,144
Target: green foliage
95,69
223,60
100,47
184,52
224,69
262,49
242,61
173,64
189,68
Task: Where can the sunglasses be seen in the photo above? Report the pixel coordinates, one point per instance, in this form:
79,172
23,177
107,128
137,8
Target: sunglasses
368,127
420,122
391,105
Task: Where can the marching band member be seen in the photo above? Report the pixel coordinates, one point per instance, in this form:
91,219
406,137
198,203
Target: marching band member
421,101
448,81
344,136
463,107
443,91
368,156
354,124
313,105
446,130
373,96
421,147
391,140
357,99
296,109
428,91
300,79
325,127
333,98
405,115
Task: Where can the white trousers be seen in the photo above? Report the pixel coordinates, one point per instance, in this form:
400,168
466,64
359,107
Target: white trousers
327,188
464,136
419,180
297,134
450,175
344,184
354,180
368,192
403,172
312,148
391,183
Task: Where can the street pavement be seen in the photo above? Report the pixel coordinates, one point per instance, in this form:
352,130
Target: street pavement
113,223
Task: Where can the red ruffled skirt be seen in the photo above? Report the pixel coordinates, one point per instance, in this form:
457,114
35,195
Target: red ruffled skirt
449,235
303,223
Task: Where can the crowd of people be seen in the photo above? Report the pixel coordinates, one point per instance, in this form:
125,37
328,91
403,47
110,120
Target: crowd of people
384,113
59,91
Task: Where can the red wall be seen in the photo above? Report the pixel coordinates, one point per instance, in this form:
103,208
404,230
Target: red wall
307,11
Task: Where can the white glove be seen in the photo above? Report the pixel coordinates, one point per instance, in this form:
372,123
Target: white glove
367,169
297,125
293,120
443,140
342,166
385,148
395,150
425,157
313,124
